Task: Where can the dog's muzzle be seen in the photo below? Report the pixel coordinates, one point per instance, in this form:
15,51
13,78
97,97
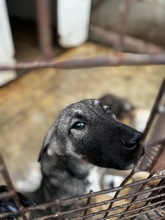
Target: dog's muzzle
132,143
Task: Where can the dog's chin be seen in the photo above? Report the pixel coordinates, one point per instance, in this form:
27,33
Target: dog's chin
122,166
127,166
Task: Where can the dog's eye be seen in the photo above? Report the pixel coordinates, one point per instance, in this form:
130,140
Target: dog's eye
78,125
108,111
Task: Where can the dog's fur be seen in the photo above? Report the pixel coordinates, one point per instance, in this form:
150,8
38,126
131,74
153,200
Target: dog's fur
85,136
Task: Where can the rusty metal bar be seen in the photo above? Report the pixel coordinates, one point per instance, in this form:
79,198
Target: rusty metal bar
159,191
154,109
113,209
130,211
124,8
101,203
85,196
137,214
159,147
99,61
131,44
87,204
43,19
117,193
134,198
7,179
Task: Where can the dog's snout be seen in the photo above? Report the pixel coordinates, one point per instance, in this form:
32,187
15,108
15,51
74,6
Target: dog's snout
132,143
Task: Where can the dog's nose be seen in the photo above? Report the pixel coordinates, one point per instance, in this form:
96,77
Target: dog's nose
132,143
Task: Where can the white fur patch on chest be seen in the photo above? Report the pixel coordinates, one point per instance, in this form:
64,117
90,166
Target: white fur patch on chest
94,179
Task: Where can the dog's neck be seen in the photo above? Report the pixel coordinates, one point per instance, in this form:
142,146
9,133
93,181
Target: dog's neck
66,176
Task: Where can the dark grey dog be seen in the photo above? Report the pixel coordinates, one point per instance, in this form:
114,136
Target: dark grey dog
120,106
85,136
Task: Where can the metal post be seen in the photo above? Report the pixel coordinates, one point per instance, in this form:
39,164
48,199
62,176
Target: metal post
43,19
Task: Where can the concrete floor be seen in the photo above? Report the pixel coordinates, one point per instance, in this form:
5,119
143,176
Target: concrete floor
30,104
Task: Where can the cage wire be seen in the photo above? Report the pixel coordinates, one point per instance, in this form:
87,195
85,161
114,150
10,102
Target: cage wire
142,199
133,199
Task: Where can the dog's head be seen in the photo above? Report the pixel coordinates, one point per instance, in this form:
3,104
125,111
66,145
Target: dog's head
89,130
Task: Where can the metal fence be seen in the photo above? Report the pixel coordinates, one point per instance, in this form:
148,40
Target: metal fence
142,202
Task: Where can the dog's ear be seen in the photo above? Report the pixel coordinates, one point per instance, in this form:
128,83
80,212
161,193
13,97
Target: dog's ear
50,144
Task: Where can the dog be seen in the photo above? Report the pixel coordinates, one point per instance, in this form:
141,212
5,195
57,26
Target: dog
122,107
85,139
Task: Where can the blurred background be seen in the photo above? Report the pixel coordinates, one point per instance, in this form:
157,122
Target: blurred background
47,30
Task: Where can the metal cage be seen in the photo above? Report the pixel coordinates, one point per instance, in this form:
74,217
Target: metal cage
145,200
